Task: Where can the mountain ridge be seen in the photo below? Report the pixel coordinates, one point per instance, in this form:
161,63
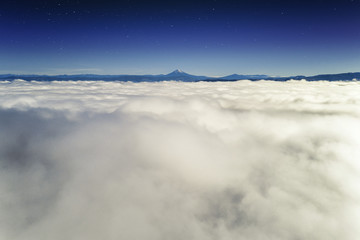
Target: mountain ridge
177,75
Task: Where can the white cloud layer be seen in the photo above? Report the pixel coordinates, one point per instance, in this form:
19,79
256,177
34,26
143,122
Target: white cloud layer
171,160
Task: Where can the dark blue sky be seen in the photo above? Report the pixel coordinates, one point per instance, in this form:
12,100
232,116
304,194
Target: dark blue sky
200,37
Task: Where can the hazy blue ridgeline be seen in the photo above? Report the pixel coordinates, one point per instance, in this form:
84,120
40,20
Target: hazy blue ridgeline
177,75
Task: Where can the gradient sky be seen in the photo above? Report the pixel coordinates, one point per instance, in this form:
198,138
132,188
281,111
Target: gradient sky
211,38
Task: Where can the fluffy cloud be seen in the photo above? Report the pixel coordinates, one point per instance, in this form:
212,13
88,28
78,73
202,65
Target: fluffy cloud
171,160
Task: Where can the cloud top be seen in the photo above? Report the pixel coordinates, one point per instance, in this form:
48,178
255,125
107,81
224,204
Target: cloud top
172,160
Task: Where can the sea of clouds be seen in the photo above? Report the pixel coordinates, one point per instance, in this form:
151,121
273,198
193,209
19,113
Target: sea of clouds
172,160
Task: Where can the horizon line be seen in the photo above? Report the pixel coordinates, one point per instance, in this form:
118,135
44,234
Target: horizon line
174,71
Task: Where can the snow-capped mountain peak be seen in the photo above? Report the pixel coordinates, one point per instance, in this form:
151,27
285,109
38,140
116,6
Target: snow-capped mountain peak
178,72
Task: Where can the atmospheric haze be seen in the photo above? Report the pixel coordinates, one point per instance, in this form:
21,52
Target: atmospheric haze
173,160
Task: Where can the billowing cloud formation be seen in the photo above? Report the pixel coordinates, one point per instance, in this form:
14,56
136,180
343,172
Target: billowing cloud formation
170,160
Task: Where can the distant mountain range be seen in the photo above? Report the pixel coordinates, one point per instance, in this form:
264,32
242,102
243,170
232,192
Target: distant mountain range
177,75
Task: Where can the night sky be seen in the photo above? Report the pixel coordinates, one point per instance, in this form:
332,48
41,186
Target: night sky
211,38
